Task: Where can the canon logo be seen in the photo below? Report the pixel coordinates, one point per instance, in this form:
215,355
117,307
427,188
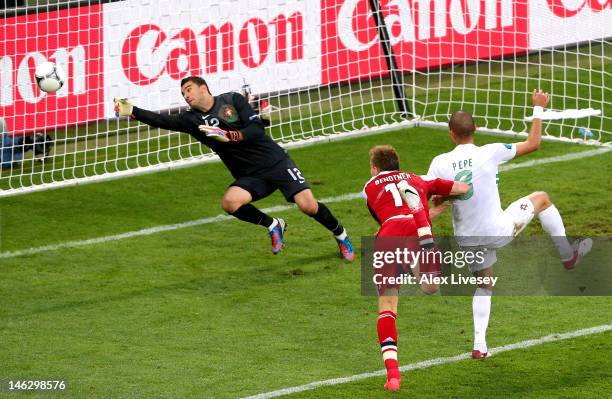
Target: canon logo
407,25
569,8
17,75
149,52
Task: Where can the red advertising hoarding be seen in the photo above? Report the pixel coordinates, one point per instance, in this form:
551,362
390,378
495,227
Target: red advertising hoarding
72,38
424,34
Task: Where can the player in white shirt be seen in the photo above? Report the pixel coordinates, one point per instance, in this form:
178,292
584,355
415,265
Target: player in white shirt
478,218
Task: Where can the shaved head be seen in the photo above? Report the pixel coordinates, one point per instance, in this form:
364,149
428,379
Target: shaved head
462,124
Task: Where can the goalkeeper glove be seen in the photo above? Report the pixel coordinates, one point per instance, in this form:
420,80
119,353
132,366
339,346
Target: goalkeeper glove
123,107
219,134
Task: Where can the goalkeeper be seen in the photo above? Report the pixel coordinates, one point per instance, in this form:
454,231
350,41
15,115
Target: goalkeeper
227,125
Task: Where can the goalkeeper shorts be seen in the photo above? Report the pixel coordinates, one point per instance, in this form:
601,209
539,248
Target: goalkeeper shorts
284,176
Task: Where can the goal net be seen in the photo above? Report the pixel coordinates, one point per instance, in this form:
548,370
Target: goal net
318,70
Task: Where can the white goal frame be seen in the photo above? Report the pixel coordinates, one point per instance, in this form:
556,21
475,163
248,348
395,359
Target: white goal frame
328,69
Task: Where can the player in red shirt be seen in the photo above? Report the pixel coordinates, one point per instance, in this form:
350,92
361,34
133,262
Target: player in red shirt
398,202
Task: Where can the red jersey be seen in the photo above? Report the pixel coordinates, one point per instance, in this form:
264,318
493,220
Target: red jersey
402,223
384,199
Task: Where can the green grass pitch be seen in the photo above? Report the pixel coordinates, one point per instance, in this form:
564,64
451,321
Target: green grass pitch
208,312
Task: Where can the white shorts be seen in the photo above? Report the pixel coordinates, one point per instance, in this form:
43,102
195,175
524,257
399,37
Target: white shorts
521,213
517,216
488,257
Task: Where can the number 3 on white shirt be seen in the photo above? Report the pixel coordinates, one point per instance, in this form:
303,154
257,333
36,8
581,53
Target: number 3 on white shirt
465,176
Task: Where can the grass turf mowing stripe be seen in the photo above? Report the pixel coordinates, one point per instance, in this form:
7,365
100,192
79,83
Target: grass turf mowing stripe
279,208
434,362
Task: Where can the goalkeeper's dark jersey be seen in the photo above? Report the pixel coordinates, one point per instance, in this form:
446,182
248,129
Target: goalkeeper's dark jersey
230,111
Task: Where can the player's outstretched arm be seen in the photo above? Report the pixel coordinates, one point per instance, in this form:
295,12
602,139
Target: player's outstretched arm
124,107
459,188
442,189
539,100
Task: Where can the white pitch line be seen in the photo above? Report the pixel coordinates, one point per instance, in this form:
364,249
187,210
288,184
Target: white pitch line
280,208
559,158
433,362
157,229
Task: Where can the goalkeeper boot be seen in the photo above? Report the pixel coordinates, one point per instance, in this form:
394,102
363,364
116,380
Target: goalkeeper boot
581,248
276,235
346,249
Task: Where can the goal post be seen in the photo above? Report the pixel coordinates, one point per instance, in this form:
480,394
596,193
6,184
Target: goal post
319,70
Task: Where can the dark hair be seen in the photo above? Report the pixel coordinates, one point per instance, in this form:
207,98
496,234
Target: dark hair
462,124
195,79
384,157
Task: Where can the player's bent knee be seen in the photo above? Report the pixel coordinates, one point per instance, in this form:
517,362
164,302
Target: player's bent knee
309,208
543,196
234,198
540,200
230,206
307,203
546,202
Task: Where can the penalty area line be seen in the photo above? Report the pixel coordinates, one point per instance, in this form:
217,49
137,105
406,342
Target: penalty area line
279,208
433,362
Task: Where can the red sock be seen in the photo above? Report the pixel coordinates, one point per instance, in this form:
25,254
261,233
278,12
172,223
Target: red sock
387,337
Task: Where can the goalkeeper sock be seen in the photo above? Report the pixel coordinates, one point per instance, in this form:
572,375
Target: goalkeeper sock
387,337
248,213
342,235
481,308
553,224
273,225
325,217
